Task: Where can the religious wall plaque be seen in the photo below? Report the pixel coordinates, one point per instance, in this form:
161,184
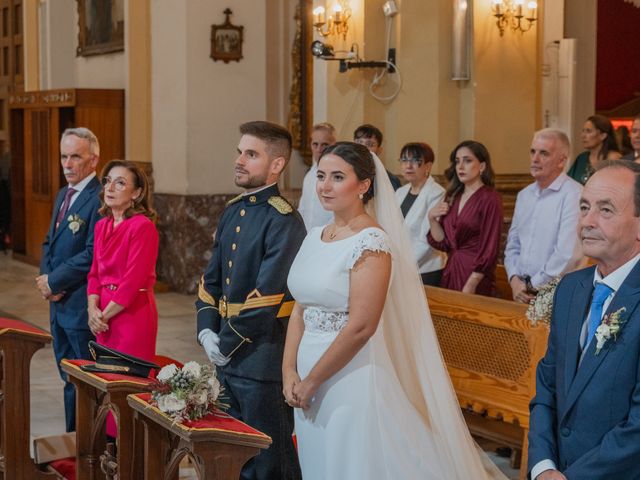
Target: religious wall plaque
226,40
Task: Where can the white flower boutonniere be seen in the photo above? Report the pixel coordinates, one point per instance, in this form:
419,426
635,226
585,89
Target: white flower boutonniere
609,327
75,223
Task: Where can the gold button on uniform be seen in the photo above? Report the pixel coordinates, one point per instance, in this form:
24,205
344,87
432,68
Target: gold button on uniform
252,199
238,229
228,281
234,246
242,212
230,264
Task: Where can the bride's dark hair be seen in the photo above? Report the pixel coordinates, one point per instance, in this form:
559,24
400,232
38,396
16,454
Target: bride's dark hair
359,157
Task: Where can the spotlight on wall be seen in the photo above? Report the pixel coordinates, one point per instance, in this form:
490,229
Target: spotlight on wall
322,50
511,14
335,24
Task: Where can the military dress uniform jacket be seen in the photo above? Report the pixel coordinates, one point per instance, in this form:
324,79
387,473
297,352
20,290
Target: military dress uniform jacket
243,294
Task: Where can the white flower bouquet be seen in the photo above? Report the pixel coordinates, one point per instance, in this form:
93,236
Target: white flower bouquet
541,307
188,393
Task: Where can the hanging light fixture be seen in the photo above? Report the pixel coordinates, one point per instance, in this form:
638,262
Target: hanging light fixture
514,15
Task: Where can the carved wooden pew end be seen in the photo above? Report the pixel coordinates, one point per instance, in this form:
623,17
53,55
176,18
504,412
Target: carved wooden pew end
18,343
218,444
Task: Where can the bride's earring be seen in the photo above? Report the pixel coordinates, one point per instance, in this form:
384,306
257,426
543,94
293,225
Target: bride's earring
361,196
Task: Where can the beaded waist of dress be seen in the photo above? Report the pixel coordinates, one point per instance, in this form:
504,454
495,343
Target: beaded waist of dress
323,321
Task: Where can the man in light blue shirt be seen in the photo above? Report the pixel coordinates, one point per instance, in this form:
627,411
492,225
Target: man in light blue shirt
542,241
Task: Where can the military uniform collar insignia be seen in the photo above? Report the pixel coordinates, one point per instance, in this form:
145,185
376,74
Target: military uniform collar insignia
261,196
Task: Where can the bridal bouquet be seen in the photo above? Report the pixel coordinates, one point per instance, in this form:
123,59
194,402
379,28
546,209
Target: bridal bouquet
188,393
540,308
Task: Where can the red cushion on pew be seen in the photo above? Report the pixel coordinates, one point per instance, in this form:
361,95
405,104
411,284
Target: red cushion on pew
65,467
160,360
111,377
217,420
7,324
163,361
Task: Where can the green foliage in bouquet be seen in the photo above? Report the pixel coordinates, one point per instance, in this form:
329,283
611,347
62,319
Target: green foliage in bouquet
188,393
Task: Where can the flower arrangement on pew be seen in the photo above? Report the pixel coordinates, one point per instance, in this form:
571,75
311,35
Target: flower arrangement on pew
189,393
541,306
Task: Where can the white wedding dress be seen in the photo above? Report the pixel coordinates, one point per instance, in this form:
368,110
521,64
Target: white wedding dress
359,425
391,412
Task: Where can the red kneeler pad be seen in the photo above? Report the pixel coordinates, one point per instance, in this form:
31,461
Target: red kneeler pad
65,467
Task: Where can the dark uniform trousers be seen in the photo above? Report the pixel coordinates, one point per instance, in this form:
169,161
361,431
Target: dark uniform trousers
261,405
243,298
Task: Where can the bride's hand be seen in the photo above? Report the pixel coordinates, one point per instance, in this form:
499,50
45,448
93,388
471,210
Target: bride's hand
304,392
289,380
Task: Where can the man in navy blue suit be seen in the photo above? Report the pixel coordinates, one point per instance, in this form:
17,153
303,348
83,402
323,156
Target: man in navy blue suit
585,417
67,253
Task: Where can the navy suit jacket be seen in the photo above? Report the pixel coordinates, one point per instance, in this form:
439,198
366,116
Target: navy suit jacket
586,418
66,257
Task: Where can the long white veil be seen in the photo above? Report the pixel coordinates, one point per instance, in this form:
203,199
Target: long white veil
412,344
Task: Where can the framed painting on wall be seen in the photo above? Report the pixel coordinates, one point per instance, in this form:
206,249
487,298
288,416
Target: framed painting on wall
100,27
226,40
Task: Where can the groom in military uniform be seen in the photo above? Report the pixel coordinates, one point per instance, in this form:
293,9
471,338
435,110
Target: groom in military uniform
243,303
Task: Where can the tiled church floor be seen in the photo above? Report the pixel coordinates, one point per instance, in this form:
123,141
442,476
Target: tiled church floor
176,338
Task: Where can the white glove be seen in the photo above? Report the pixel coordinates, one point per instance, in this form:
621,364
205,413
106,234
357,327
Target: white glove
210,342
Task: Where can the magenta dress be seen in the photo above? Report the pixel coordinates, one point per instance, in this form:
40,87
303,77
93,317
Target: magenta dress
472,240
124,270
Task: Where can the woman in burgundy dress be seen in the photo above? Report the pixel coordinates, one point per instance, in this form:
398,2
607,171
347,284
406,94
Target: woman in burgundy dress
468,223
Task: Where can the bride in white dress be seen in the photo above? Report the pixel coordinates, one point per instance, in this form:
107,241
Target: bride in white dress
362,366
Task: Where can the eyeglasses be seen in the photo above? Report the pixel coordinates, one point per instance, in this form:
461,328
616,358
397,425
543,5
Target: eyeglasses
417,161
367,143
118,183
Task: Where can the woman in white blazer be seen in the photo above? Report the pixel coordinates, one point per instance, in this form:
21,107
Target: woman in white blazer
416,198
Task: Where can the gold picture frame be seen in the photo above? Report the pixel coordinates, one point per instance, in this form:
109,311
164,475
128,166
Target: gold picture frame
100,27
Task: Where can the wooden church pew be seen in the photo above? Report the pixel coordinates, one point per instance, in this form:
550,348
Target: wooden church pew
18,343
491,350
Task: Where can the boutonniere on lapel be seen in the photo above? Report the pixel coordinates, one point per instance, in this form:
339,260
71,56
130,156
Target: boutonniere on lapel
75,223
609,327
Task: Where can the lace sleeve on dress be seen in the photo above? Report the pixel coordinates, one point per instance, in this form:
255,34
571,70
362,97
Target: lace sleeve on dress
371,240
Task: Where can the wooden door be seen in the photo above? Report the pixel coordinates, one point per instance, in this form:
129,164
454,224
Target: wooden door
41,175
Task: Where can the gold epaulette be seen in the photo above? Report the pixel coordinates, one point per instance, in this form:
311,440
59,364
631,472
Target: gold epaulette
280,204
234,199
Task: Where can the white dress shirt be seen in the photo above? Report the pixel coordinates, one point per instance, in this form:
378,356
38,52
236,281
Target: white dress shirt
428,258
614,281
543,241
80,186
313,214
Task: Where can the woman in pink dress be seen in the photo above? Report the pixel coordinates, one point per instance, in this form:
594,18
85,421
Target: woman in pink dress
468,223
122,308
